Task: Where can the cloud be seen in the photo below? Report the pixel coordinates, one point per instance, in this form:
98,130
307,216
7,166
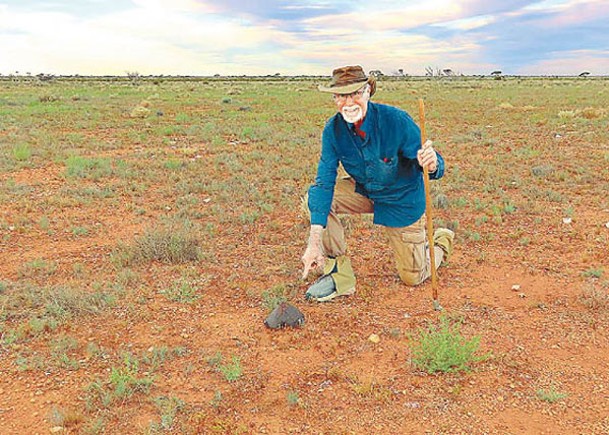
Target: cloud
261,37
151,39
570,63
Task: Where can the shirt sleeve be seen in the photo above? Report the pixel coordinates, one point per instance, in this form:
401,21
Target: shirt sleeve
411,143
322,192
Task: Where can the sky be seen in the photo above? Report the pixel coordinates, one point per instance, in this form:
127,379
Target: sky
303,37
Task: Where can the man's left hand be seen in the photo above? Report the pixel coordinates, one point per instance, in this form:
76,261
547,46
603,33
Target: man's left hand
427,157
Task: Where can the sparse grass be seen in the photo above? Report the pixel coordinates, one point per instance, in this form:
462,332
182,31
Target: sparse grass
58,302
369,388
273,297
83,167
217,399
550,395
168,407
124,381
593,273
595,296
22,152
173,241
182,290
442,348
231,371
293,398
65,417
79,231
236,171
37,268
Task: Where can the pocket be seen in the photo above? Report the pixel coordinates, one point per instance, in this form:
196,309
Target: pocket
412,248
385,173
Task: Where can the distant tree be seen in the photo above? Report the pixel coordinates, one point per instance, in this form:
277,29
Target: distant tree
431,72
584,74
134,76
448,72
496,73
376,73
45,77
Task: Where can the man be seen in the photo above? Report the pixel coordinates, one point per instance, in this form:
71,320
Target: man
379,146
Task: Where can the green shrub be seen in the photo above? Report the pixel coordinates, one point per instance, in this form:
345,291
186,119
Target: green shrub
22,152
231,371
442,348
173,242
82,167
273,297
550,395
182,290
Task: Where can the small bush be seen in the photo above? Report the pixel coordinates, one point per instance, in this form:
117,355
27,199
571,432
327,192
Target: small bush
125,380
173,242
22,152
169,408
231,371
542,170
273,297
443,349
182,290
82,167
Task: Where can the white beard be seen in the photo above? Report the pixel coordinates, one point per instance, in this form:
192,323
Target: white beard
352,113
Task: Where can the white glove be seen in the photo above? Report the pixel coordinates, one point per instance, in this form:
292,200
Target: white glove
314,254
427,157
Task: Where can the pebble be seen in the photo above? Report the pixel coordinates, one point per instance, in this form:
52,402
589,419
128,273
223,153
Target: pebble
607,224
567,220
374,338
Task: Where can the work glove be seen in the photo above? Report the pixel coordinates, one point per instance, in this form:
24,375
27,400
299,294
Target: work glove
314,254
427,157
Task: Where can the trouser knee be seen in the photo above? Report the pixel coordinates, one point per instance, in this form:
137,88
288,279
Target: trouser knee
410,278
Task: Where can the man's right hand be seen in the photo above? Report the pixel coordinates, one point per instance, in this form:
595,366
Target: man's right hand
314,254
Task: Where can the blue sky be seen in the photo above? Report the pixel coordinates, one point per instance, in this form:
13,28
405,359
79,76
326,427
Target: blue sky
260,37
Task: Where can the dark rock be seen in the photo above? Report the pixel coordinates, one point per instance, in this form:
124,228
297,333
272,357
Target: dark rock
285,315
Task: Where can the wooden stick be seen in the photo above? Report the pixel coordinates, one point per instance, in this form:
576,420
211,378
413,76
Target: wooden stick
428,212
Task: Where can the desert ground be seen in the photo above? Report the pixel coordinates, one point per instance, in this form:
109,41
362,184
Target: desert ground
149,225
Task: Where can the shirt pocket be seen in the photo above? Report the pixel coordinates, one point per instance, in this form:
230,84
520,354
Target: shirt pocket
385,173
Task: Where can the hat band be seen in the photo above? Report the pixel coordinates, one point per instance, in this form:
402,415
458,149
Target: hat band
349,82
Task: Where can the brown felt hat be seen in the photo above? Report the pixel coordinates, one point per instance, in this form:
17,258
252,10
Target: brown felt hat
348,79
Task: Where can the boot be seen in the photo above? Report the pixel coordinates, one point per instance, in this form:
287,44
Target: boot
338,280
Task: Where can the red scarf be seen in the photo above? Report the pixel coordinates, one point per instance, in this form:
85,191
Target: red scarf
357,126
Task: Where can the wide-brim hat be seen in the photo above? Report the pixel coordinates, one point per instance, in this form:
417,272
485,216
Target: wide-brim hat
348,79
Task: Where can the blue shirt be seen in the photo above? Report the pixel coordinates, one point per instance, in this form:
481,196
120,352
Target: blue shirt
384,166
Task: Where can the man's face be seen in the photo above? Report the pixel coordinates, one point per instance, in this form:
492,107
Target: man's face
353,106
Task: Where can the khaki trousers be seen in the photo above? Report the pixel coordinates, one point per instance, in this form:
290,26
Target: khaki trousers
409,244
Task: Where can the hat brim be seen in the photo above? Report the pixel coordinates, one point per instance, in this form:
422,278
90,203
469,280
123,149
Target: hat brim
347,89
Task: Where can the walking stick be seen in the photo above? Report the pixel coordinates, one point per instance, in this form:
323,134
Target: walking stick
432,254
